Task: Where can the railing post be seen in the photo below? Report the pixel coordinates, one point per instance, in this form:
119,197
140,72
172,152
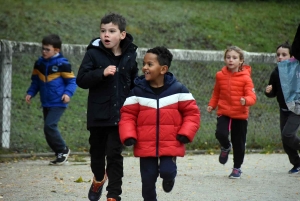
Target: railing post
5,91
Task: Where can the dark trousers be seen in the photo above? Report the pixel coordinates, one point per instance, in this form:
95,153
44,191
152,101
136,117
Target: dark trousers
238,130
106,157
150,168
53,137
289,125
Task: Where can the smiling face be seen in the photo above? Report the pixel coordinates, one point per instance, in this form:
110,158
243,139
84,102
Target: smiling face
111,37
153,71
49,51
282,54
233,60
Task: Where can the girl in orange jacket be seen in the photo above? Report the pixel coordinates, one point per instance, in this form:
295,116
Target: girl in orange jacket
233,94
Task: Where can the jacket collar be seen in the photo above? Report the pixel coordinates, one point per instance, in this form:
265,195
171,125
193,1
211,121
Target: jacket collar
141,82
125,44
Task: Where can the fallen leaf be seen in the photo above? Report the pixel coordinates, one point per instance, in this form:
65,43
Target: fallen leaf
79,180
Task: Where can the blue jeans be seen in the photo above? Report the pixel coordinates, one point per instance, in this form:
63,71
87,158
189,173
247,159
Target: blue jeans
53,137
150,168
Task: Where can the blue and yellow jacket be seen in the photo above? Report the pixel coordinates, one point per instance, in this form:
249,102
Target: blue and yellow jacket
52,78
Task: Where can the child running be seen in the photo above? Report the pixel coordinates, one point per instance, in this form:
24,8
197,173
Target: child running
233,94
158,117
289,121
107,71
53,78
283,52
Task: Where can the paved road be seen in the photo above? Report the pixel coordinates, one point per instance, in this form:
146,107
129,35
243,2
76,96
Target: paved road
200,177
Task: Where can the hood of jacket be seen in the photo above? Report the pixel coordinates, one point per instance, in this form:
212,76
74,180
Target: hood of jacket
55,60
124,44
141,82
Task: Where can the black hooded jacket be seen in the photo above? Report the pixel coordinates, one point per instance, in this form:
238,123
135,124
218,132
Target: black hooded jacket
296,45
107,94
276,89
274,78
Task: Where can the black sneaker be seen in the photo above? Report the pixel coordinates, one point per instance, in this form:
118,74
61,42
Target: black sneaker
223,158
61,158
294,170
168,185
95,191
235,174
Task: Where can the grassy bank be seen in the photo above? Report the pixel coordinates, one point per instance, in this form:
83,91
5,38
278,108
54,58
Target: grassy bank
256,26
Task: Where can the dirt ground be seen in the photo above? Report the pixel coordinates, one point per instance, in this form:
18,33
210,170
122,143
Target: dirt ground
200,177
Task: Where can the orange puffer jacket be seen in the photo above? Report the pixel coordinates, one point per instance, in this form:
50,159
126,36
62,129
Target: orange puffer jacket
229,89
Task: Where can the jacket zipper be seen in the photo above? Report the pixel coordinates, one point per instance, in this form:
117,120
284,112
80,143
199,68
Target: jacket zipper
46,82
157,125
229,83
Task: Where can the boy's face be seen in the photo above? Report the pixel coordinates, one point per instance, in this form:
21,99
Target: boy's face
153,71
282,54
49,51
111,35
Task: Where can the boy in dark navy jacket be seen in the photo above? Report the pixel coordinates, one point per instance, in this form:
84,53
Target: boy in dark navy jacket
107,70
53,77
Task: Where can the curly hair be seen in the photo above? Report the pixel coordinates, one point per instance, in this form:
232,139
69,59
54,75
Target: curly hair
164,56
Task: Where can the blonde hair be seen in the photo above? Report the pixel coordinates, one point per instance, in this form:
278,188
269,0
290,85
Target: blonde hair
238,50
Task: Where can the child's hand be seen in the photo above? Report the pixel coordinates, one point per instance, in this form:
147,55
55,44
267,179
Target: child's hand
130,141
268,89
243,101
28,98
209,109
110,70
183,139
65,98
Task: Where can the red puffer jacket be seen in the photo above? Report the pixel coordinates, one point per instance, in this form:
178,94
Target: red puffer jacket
229,89
155,120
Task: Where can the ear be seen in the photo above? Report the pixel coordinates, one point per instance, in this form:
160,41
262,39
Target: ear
164,69
56,50
123,35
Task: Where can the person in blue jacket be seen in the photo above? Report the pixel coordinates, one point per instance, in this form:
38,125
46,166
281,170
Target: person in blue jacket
53,78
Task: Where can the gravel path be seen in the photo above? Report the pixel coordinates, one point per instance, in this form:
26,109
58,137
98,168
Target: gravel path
200,177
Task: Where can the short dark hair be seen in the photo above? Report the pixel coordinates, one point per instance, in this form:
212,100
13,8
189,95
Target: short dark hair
164,56
52,39
116,19
285,45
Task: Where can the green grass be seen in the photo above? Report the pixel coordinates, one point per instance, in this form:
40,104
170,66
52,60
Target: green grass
256,26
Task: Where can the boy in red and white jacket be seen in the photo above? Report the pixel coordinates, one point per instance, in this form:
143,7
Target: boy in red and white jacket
158,117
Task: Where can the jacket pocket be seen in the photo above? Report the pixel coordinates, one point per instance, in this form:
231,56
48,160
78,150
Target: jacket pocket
101,108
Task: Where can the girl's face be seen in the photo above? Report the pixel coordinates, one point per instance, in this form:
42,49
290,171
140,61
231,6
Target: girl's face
282,54
233,60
